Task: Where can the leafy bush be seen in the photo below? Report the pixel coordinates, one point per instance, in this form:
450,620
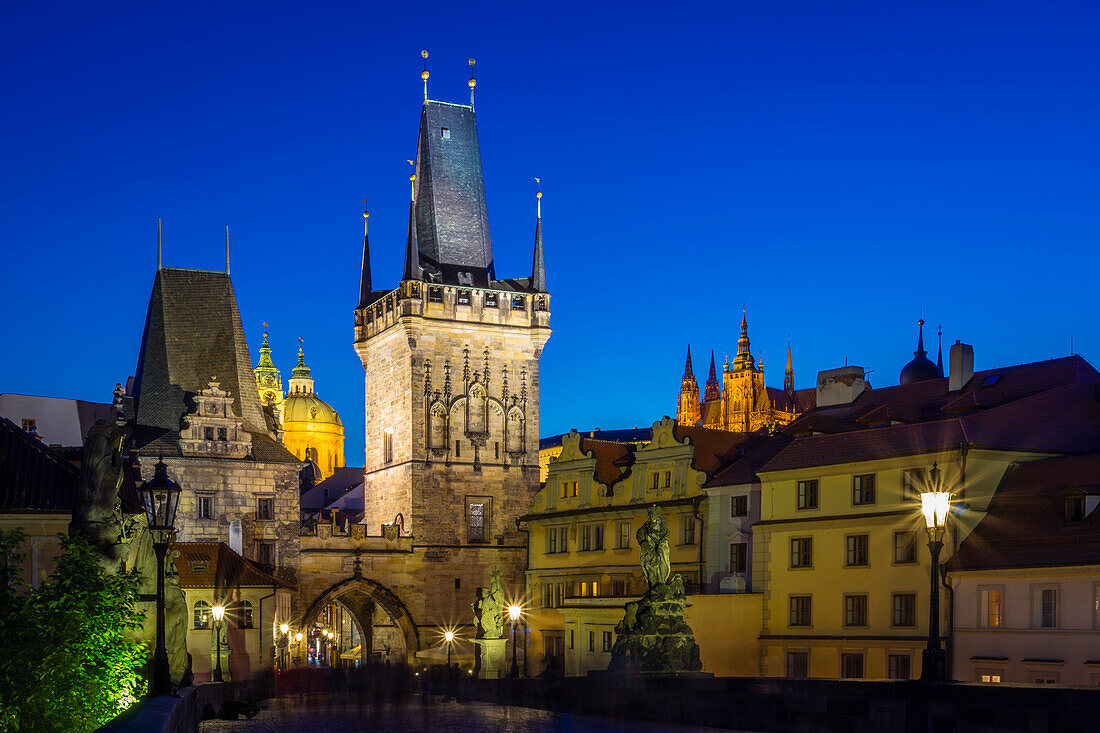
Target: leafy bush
68,657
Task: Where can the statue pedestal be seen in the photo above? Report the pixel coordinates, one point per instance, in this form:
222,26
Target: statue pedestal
490,661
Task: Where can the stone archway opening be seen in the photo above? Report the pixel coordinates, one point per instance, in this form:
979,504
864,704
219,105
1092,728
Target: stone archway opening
359,613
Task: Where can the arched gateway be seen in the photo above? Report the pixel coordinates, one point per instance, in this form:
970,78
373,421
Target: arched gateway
362,597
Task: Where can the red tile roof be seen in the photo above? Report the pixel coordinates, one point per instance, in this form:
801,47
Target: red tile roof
216,565
613,460
1026,524
713,448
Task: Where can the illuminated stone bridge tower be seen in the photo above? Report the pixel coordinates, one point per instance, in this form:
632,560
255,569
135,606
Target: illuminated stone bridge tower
451,362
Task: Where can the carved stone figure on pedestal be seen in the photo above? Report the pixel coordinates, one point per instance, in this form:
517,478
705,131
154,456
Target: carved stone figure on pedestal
488,609
653,635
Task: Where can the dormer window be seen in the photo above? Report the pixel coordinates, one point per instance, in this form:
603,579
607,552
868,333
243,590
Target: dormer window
445,133
1075,509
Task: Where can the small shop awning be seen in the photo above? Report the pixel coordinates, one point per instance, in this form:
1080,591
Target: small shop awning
352,653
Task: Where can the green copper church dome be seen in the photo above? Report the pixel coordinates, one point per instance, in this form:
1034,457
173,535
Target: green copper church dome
308,407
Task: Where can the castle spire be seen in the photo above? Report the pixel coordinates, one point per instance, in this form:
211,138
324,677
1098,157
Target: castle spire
226,249
939,350
412,254
364,277
538,265
689,373
712,391
744,359
788,376
424,74
472,82
688,408
920,340
158,243
300,378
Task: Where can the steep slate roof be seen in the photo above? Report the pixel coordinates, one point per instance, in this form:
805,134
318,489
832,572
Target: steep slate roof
752,455
452,223
1026,524
338,485
1048,406
215,565
33,478
193,332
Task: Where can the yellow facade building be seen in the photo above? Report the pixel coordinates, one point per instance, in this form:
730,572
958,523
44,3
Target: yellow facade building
583,562
310,428
840,548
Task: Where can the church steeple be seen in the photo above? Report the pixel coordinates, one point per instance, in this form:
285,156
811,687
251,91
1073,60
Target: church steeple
268,380
412,252
687,409
364,277
788,376
939,350
301,381
744,359
538,265
713,391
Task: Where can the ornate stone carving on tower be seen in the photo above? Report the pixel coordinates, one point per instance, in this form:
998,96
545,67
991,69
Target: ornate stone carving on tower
212,427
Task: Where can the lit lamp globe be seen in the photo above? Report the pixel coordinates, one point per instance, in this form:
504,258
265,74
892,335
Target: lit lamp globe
514,612
298,636
218,612
449,636
934,505
284,629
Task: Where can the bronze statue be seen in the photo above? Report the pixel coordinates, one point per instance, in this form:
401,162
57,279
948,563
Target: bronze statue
653,545
97,514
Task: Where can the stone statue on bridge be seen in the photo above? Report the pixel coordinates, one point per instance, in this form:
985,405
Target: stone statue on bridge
489,608
653,635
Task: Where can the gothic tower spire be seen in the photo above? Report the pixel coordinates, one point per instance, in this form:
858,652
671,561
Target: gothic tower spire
939,350
364,277
744,359
538,266
687,409
713,391
788,376
412,253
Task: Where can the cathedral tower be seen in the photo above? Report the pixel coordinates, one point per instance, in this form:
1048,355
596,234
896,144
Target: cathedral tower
451,360
687,409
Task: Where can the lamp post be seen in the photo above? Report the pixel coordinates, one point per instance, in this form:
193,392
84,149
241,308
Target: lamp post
449,638
298,648
161,496
514,612
219,613
284,646
934,506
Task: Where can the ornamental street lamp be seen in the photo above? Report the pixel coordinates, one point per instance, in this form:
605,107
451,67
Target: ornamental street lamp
161,496
218,612
934,505
449,638
514,612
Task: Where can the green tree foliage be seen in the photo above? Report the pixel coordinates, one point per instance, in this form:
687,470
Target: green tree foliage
68,657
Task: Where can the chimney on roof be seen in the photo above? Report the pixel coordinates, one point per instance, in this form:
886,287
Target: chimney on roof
840,386
962,365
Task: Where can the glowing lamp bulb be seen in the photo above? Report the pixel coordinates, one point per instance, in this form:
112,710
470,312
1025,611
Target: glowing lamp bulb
934,506
284,628
298,636
218,612
514,612
449,636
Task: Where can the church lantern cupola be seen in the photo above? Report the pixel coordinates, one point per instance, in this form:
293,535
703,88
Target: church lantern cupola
921,367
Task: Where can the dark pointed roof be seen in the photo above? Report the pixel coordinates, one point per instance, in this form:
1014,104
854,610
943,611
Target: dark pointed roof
744,359
364,276
921,367
452,223
412,253
193,332
216,565
538,265
713,392
689,373
788,375
939,350
34,477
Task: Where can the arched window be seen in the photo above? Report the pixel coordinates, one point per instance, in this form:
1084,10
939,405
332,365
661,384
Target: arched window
438,428
478,402
202,615
515,431
241,612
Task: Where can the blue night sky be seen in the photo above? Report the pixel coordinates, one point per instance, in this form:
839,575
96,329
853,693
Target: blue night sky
833,166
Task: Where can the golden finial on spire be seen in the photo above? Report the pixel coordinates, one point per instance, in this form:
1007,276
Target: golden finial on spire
424,73
366,215
472,82
412,180
538,196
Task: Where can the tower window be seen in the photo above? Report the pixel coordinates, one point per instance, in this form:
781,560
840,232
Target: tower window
445,133
463,297
519,304
490,300
208,433
387,445
30,425
458,449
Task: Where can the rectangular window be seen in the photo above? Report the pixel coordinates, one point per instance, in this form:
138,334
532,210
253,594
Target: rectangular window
1045,602
988,677
435,294
445,133
223,434
477,520
807,494
463,297
800,610
898,666
30,425
496,450
490,300
739,506
265,508
573,490
905,548
912,483
387,445
905,609
206,507
557,540
802,552
265,552
595,588
798,665
571,638
851,666
855,610
583,586
857,550
586,538
1044,678
624,535
591,641
607,641
655,481
208,433
687,530
1075,509
519,303
618,588
597,537
668,479
738,557
458,449
565,489
863,489
992,607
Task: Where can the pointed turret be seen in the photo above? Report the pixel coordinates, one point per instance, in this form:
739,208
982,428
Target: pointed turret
921,367
268,380
788,375
538,265
412,253
364,276
687,408
712,391
301,381
939,350
744,359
